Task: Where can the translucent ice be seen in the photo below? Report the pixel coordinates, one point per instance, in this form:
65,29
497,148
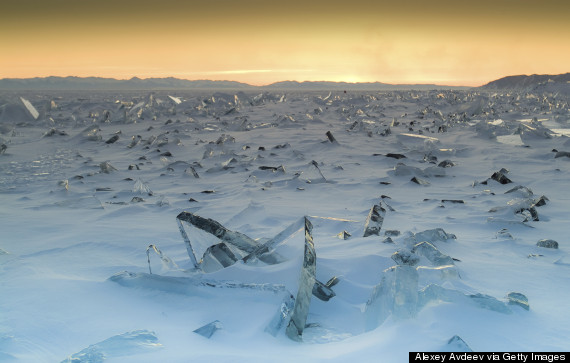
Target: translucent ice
306,282
396,294
281,316
122,345
430,252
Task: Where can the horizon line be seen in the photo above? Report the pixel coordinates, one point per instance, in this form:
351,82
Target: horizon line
241,82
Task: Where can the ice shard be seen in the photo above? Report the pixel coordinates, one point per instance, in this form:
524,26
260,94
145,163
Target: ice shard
374,220
235,239
430,252
218,256
516,298
31,109
209,329
320,179
122,345
396,294
281,316
405,257
500,176
434,292
419,181
166,261
430,235
456,344
323,291
331,137
306,282
106,167
547,243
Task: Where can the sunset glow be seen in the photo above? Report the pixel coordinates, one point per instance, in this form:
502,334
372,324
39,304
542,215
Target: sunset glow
260,42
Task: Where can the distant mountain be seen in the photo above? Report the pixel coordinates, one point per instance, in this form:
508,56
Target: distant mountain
524,82
98,83
361,86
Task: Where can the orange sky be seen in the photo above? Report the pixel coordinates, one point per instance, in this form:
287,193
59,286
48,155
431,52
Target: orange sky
456,42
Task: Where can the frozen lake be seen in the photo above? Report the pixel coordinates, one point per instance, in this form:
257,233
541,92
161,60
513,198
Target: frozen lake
466,184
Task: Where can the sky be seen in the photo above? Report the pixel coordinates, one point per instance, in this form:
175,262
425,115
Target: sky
459,42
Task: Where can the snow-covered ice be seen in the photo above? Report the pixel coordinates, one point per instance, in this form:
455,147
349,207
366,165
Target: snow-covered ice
93,263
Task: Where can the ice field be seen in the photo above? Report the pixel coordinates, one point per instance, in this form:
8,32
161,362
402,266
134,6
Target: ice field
443,216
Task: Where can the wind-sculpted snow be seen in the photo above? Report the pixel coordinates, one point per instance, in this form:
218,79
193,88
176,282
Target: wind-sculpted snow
462,196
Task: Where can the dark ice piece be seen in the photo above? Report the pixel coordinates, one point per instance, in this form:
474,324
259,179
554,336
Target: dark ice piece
273,168
344,235
112,140
3,148
54,131
419,181
306,282
455,201
209,329
547,243
499,176
219,253
428,158
392,232
540,201
322,291
374,220
236,239
331,137
396,156
137,200
516,298
446,164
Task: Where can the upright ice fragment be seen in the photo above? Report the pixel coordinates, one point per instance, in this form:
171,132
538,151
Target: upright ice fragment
31,109
306,282
396,294
374,220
